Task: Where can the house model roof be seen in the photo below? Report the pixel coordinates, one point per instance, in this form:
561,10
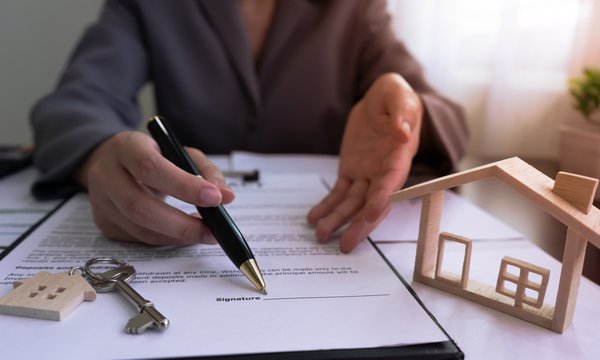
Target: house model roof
568,198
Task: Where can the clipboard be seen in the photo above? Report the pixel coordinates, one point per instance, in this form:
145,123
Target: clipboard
447,349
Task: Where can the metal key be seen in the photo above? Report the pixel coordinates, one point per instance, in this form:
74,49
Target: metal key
117,278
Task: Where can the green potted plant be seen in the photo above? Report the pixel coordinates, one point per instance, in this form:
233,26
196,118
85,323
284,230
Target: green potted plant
586,93
580,136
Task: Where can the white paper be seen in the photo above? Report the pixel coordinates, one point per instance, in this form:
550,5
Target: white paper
402,223
318,298
18,209
223,162
459,216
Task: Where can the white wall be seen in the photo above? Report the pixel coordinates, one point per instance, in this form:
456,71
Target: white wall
36,38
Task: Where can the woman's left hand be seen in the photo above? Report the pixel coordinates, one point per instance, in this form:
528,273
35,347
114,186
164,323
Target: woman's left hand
380,140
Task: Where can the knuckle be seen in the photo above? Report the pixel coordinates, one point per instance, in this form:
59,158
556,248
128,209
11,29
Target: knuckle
148,237
122,140
186,189
146,166
103,224
109,229
136,211
188,233
96,175
101,221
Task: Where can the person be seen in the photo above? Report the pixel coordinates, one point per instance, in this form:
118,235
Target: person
289,76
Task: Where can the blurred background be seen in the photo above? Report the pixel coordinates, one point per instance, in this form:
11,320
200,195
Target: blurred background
506,61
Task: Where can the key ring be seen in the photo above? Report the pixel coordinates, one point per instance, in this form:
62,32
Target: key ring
105,281
87,268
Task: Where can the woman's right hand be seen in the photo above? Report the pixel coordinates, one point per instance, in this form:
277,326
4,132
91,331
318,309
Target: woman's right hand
127,179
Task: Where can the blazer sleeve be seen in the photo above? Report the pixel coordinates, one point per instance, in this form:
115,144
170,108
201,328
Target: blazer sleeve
444,131
95,98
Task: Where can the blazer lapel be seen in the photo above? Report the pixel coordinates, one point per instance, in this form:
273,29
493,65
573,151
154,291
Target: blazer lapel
225,18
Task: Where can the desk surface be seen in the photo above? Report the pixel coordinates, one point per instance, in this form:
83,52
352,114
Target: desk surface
483,333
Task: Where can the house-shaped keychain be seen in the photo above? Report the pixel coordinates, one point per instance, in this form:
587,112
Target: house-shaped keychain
47,296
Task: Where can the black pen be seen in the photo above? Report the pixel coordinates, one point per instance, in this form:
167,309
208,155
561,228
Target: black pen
216,218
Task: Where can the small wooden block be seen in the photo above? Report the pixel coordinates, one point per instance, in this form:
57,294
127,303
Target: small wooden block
578,190
47,296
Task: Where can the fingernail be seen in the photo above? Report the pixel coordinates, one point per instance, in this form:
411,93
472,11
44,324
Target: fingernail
407,128
322,235
223,186
210,197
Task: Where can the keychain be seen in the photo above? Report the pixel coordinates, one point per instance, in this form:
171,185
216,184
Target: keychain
54,296
118,278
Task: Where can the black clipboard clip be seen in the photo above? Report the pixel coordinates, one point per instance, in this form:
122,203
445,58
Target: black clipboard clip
245,177
14,158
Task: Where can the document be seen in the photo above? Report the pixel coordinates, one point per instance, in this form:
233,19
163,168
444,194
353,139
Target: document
18,209
402,223
324,165
318,298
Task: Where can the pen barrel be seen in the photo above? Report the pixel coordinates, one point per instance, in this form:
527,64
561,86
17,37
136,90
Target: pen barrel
227,234
216,218
170,147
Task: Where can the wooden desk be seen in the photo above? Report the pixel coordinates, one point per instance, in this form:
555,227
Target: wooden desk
539,227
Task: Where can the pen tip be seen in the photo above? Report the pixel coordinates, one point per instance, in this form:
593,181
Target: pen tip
263,291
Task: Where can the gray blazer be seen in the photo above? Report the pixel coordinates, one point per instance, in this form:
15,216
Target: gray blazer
320,57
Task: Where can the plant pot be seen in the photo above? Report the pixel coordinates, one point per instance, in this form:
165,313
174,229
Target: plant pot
579,151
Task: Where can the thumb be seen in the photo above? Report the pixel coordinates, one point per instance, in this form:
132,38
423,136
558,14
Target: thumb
405,108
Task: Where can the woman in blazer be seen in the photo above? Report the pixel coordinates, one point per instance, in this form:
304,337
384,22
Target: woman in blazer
292,76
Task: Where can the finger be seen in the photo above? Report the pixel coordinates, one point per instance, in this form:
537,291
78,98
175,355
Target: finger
358,230
151,237
117,227
140,214
404,108
404,123
211,173
102,210
344,211
149,167
330,201
410,119
391,179
209,238
127,231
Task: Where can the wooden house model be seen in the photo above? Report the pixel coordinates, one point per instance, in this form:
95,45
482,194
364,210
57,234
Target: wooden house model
47,296
568,198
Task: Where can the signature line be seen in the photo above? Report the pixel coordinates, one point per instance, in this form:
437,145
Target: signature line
326,297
